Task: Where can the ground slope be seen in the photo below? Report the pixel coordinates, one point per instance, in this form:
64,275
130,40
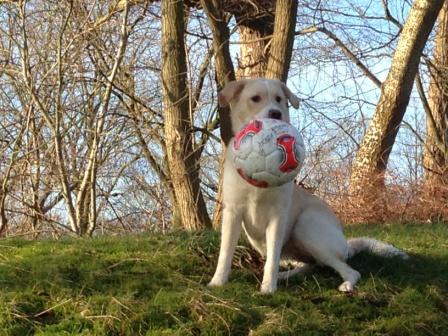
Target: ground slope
154,285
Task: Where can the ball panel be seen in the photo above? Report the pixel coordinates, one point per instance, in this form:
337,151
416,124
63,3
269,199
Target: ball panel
286,144
244,147
273,161
252,128
254,163
264,143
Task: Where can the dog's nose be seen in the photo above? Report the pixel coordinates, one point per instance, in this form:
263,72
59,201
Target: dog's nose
275,114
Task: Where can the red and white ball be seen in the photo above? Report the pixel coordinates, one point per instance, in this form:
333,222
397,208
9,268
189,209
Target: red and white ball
268,152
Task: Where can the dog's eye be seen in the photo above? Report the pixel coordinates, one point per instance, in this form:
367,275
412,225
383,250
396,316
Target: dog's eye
256,98
278,99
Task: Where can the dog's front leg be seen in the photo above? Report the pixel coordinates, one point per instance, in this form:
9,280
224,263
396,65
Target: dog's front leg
230,232
274,242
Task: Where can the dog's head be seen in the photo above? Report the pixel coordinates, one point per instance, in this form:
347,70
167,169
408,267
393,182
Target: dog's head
257,98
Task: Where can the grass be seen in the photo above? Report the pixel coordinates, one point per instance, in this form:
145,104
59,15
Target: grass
155,285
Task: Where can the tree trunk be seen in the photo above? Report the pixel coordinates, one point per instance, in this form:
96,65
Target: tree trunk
282,41
223,62
3,218
182,161
436,150
224,74
372,157
255,34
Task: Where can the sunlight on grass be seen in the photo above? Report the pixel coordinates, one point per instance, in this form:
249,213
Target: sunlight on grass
155,285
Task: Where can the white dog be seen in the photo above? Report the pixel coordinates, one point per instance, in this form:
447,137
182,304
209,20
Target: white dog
283,222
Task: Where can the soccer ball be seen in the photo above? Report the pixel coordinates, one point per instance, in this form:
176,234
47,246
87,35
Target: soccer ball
268,152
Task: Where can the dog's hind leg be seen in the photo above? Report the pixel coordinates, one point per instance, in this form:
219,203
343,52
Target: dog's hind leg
321,236
300,268
333,257
348,274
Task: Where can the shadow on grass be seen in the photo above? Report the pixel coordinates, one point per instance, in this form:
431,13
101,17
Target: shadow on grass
125,286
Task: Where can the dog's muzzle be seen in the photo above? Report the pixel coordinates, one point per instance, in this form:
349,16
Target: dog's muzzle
275,114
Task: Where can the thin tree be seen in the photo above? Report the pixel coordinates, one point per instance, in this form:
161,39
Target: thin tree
372,157
436,147
181,155
282,41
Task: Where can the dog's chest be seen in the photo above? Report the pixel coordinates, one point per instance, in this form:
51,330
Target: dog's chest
258,207
256,217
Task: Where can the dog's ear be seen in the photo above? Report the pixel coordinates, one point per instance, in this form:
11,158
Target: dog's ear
293,99
230,91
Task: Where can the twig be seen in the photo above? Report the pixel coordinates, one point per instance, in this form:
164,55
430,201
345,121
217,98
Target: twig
125,260
121,304
102,316
51,308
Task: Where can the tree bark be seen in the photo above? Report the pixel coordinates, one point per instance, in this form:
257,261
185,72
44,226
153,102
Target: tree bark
282,41
372,157
223,62
436,150
224,74
182,160
255,35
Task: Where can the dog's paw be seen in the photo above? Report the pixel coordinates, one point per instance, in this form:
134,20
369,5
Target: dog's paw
346,287
268,288
215,282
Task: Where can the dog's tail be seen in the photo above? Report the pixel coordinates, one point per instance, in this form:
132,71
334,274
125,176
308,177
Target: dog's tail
373,246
